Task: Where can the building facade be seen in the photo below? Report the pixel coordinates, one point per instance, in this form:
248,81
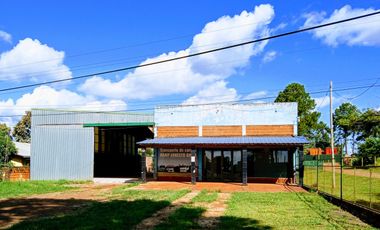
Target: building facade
216,142
226,142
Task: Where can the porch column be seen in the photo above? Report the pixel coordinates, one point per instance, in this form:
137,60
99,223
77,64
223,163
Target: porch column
300,166
193,155
143,165
155,163
244,167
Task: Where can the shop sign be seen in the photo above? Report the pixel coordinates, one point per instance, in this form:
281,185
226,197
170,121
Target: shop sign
175,153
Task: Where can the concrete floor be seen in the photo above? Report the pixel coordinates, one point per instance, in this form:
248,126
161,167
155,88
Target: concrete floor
104,180
220,186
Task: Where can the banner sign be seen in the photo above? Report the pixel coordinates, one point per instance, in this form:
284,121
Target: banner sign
175,153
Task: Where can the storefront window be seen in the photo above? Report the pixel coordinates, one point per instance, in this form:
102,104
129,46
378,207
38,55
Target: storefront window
174,160
280,156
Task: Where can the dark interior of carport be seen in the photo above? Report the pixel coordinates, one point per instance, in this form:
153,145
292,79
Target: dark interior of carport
115,150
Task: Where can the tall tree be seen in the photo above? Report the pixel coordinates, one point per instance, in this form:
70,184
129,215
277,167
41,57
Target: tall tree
7,147
21,131
368,124
370,149
321,138
345,117
308,118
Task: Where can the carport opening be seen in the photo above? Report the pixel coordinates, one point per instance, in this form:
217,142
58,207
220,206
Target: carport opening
115,150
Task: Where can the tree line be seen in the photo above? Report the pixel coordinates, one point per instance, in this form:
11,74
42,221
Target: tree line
354,128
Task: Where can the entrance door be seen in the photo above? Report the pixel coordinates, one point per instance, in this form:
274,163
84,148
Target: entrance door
222,165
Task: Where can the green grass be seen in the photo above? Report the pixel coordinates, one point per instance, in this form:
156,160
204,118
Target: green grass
130,208
25,188
182,218
205,196
358,189
285,211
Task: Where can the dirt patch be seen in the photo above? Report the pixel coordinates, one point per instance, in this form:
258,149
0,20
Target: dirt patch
14,210
161,215
220,187
210,219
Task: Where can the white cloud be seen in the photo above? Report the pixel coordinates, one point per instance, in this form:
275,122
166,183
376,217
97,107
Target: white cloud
5,36
216,92
324,101
33,61
256,95
192,74
364,32
47,97
269,56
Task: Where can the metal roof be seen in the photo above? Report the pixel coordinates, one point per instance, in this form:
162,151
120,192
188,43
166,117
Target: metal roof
264,140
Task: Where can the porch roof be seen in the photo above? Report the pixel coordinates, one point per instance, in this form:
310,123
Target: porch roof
226,141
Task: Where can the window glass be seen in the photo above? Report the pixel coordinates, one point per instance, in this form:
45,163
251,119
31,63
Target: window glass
280,156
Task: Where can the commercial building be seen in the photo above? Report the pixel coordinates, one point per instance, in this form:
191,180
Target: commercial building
215,142
227,142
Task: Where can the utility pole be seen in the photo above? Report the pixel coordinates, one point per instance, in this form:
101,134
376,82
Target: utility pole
332,138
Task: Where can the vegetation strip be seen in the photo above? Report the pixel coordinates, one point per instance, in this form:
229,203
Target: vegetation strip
210,219
161,215
285,210
12,189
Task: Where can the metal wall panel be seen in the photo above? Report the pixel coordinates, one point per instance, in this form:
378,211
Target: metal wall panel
53,117
62,152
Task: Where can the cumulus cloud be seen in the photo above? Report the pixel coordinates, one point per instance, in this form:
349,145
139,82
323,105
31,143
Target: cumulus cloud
47,97
364,32
192,74
5,36
216,92
269,56
31,60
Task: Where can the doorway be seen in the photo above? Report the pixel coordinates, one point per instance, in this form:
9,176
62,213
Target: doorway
115,150
222,165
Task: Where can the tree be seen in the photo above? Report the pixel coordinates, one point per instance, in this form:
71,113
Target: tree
21,131
368,124
345,117
7,147
308,118
321,138
370,149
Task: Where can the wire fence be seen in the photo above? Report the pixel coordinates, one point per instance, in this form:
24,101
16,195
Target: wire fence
358,185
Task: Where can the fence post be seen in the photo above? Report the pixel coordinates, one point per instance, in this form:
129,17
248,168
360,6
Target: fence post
370,187
341,175
354,184
317,173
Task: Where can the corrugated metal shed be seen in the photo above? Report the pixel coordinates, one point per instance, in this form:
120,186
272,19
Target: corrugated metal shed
270,140
62,148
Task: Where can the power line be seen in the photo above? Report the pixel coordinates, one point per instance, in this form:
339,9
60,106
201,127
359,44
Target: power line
193,54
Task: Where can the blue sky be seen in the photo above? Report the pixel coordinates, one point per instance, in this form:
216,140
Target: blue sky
42,41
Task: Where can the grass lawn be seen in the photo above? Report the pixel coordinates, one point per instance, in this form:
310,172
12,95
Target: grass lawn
187,215
358,189
125,209
182,218
285,211
205,196
25,188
